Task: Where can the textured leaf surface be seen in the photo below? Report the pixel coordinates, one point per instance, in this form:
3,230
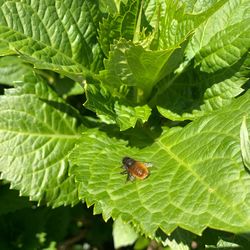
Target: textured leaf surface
37,132
245,143
121,24
132,65
5,50
180,18
143,64
197,179
223,39
173,245
111,110
12,69
195,93
220,50
218,95
55,35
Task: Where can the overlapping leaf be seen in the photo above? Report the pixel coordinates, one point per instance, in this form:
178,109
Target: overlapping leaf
223,39
55,35
197,179
37,132
5,50
220,50
132,65
12,70
121,24
194,94
111,110
143,64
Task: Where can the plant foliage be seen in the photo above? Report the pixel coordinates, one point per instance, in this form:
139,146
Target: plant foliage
163,81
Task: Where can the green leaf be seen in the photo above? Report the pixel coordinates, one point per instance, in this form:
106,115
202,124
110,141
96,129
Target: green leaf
143,64
193,94
13,69
37,132
225,48
122,24
66,87
179,239
132,65
178,19
123,234
109,6
245,143
127,116
197,179
218,95
112,110
225,245
5,50
223,39
176,245
55,35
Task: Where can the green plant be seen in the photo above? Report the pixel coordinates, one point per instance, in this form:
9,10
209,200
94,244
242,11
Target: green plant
161,81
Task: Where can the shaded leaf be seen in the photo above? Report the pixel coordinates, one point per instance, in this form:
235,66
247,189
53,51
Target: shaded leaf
194,94
13,69
112,110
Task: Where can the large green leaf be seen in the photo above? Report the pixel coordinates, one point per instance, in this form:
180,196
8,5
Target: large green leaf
55,35
223,39
37,132
197,179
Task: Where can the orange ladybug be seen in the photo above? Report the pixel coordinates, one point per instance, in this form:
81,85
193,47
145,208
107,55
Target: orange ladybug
135,169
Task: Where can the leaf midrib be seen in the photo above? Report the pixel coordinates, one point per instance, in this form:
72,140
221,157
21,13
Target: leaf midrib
62,136
46,45
202,181
74,63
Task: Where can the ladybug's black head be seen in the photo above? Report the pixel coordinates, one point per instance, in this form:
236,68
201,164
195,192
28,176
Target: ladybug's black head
128,161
